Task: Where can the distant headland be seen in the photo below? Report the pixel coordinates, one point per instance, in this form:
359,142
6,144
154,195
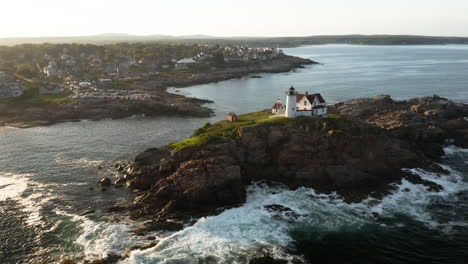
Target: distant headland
354,39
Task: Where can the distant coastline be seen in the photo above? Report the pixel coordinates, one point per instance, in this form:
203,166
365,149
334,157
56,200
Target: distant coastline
354,39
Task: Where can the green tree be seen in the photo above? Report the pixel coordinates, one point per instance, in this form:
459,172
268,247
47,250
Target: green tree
218,59
26,70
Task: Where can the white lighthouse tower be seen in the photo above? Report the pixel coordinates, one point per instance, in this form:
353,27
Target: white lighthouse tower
291,102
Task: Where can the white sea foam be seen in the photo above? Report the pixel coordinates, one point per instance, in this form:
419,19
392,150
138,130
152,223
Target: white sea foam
81,162
100,238
413,199
237,233
12,185
451,150
21,188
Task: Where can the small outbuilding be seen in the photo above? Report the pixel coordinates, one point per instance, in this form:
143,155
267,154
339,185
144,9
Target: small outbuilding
232,117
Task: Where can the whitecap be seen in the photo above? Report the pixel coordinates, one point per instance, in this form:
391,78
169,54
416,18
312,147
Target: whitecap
99,238
81,162
236,234
13,185
452,150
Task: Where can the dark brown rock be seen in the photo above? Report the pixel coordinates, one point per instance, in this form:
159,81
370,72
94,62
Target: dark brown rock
120,181
67,261
146,246
267,259
105,182
357,155
159,225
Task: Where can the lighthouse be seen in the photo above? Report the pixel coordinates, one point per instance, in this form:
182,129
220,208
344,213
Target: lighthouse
291,102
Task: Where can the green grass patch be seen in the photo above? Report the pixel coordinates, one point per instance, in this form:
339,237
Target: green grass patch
221,130
174,74
39,100
225,129
334,116
32,97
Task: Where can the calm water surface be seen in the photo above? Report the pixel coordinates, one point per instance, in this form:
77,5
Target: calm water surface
46,174
349,72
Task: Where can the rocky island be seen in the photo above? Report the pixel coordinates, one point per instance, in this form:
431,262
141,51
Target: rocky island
362,147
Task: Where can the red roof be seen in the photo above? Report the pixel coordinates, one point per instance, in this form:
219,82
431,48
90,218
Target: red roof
310,97
277,106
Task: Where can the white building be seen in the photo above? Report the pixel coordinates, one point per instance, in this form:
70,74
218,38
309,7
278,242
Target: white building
51,70
300,105
184,64
203,56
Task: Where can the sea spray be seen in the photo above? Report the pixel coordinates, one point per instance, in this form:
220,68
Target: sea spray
236,235
101,238
12,185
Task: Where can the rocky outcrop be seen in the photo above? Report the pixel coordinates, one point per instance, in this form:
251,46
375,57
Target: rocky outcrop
189,180
428,120
358,151
21,115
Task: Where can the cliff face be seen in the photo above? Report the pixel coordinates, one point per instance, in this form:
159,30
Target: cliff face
358,151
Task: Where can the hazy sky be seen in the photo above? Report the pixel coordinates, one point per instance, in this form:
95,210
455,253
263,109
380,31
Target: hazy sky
233,18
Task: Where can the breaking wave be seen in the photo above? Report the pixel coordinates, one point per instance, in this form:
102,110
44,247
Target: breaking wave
12,185
77,163
238,234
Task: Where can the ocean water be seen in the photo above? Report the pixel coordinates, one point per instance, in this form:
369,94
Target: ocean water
349,72
46,174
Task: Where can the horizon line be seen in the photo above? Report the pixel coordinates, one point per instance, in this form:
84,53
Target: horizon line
203,36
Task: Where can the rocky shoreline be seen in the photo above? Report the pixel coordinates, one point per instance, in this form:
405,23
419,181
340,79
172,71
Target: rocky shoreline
20,116
282,63
163,102
360,150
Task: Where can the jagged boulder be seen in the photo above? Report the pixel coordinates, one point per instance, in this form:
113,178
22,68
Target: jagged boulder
105,182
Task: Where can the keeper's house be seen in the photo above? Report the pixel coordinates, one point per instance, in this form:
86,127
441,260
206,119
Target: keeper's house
301,105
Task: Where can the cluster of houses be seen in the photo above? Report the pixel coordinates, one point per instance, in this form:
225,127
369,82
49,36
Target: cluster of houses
231,55
120,66
8,88
245,54
67,65
184,64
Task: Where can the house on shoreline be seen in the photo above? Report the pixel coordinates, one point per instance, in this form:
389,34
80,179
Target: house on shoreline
300,105
184,64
